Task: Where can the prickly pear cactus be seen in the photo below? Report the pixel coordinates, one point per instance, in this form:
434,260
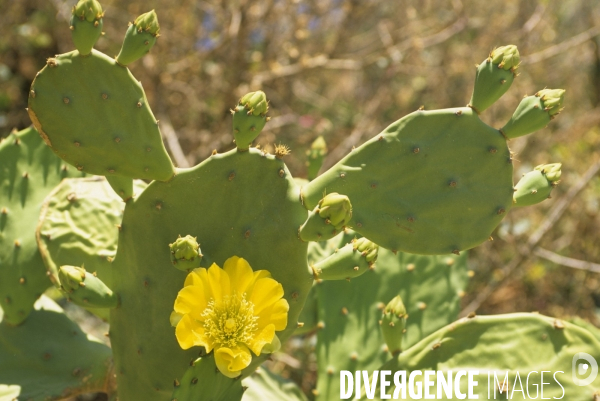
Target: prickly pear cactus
346,315
434,182
517,343
248,226
55,359
28,172
74,91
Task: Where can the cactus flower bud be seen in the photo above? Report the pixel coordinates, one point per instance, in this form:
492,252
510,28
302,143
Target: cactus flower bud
86,25
552,99
148,22
336,208
85,289
350,261
327,219
537,185
367,248
506,57
534,113
494,77
90,10
185,253
255,103
71,277
392,324
139,38
551,171
249,118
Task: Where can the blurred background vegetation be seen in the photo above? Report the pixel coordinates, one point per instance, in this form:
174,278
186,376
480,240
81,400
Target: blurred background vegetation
345,69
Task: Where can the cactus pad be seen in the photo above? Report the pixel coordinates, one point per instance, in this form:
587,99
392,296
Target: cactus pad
28,172
520,342
434,182
55,359
265,385
95,116
349,336
248,225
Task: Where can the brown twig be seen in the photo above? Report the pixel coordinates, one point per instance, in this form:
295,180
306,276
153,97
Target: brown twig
566,261
561,47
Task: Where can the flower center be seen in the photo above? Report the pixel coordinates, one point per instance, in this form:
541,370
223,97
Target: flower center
231,321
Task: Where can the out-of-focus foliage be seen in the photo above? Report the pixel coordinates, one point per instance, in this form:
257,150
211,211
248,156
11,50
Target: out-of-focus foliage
345,69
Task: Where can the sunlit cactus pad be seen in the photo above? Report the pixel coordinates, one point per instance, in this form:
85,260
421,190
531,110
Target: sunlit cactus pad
95,115
433,182
236,204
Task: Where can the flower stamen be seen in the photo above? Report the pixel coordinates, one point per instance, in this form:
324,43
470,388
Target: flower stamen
230,321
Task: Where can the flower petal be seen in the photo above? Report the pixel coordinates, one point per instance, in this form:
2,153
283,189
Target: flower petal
265,293
260,339
195,277
240,274
191,299
190,332
218,281
276,314
231,361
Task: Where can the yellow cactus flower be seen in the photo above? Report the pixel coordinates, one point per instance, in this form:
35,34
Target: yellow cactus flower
233,310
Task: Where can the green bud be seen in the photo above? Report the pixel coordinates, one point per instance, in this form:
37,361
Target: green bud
255,103
537,185
139,38
148,22
86,25
367,248
350,261
552,99
85,289
185,253
71,277
336,209
90,10
494,76
551,171
249,118
392,324
534,113
506,57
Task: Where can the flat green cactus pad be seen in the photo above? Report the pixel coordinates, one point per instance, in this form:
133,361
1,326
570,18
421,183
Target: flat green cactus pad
514,343
48,357
433,182
79,225
96,117
265,385
28,172
236,204
191,386
349,337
